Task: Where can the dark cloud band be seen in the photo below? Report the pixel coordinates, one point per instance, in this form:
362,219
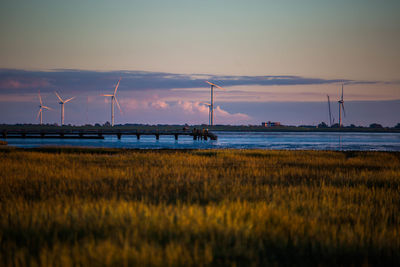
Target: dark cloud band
83,80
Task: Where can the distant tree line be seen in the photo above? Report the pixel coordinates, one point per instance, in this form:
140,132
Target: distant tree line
372,126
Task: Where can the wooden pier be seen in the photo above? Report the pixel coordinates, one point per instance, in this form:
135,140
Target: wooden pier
99,134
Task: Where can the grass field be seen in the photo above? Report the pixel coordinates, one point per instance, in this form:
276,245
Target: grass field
70,206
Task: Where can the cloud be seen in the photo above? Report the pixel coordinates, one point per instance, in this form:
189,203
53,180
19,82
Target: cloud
159,104
156,110
142,102
221,116
21,98
154,97
22,83
132,104
84,80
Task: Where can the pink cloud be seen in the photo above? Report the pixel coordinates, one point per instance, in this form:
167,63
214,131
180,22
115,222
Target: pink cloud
133,104
23,83
224,117
148,108
159,104
26,98
221,116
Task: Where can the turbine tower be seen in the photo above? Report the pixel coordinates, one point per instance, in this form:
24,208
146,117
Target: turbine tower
209,111
329,109
62,102
114,98
341,106
41,107
212,101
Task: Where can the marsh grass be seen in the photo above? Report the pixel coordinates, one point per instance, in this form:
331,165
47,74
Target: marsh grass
72,206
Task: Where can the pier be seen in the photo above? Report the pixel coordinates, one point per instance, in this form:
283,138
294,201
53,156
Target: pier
100,133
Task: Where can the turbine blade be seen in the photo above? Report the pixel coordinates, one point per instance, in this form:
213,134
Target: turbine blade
105,95
213,84
59,97
49,108
209,83
342,91
344,112
69,99
116,87
119,107
37,117
40,98
204,103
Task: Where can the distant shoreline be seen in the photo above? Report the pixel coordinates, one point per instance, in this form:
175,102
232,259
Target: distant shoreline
218,128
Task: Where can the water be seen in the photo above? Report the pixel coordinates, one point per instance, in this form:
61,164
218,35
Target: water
237,140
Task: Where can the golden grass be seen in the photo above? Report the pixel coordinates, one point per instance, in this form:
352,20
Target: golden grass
67,206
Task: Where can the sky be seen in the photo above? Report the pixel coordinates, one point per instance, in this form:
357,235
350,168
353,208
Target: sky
277,60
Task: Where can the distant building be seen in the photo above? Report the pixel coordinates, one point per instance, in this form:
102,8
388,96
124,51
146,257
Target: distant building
270,124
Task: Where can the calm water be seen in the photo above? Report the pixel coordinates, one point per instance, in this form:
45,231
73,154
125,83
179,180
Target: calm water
238,140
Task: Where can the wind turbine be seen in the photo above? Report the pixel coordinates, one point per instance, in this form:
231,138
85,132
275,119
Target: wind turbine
209,111
41,107
212,101
341,106
114,98
330,114
62,102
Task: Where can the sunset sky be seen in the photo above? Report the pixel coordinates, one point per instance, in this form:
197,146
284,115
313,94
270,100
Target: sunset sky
277,60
